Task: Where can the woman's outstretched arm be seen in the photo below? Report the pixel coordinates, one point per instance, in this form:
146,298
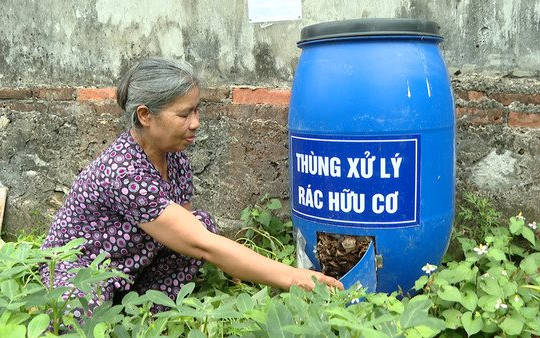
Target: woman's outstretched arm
182,232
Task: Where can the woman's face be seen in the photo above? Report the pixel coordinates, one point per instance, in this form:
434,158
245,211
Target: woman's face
174,128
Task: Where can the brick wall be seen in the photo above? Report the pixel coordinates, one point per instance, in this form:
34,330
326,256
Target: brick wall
473,106
498,107
49,134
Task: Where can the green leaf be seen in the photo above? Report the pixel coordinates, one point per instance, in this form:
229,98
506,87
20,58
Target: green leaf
516,301
157,327
246,213
131,298
421,282
452,318
301,330
416,314
96,262
158,297
469,300
456,273
11,272
466,244
516,225
421,332
379,320
509,288
530,312
528,234
19,318
99,330
264,218
496,254
353,325
277,318
470,324
449,293
531,263
14,331
244,302
121,332
344,314
490,286
67,335
196,334
274,204
487,303
15,306
38,325
512,326
377,298
185,291
372,333
102,276
80,278
76,243
10,289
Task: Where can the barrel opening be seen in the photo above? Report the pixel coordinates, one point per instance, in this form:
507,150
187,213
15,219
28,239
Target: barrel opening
338,254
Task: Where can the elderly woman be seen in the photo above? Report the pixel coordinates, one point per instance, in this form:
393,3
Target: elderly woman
134,200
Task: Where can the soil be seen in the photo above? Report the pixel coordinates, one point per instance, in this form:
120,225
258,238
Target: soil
338,254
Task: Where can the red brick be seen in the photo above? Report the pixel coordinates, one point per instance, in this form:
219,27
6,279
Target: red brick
478,116
215,94
462,94
55,94
15,93
96,94
507,98
475,96
516,119
261,96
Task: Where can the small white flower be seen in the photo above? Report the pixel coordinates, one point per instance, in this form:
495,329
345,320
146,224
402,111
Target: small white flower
517,299
484,276
504,273
533,225
500,304
520,217
429,268
481,249
355,301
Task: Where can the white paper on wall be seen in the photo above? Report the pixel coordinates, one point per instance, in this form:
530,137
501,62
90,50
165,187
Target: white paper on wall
274,10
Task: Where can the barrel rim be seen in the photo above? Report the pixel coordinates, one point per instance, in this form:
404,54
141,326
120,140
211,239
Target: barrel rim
369,27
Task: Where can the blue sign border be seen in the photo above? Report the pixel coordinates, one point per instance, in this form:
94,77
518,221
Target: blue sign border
414,221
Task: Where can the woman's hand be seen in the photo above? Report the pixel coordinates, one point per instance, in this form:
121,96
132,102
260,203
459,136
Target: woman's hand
304,279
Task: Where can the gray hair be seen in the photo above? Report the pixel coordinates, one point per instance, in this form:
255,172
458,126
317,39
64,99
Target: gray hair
154,82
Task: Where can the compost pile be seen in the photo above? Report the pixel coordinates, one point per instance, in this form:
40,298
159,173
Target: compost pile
338,254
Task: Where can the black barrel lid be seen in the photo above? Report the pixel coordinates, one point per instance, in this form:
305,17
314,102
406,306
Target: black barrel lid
368,27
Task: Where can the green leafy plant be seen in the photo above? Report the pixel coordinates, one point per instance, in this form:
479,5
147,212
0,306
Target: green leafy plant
493,291
476,217
266,233
24,298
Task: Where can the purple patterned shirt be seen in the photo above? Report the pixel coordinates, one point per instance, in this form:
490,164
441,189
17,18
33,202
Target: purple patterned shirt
110,197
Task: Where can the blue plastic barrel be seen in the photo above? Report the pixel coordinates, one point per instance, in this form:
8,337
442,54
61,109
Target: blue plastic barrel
372,146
